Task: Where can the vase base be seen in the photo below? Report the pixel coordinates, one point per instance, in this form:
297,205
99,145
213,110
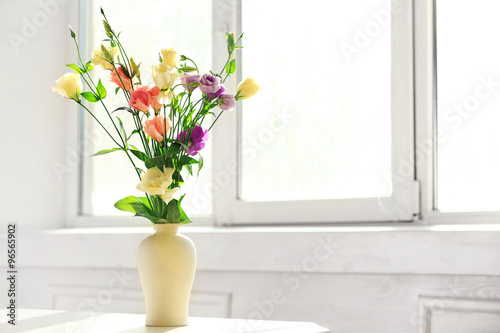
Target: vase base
167,326
160,323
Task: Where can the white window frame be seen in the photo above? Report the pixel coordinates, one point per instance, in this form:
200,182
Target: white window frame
413,105
401,206
425,111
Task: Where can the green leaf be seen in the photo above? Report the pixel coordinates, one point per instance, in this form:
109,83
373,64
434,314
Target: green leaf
159,57
139,154
169,163
126,108
240,37
145,201
101,91
230,42
133,132
135,67
90,97
188,69
106,151
125,70
187,160
174,149
200,165
155,162
231,67
106,55
151,217
130,204
89,66
177,175
184,219
189,167
107,28
117,90
173,212
122,132
76,68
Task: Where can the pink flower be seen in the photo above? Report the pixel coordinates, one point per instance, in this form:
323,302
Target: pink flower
140,99
156,128
227,102
195,139
115,78
154,92
210,83
186,79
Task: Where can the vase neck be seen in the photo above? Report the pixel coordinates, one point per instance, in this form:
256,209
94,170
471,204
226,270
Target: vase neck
167,228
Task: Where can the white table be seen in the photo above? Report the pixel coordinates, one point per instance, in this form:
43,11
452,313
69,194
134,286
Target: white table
49,321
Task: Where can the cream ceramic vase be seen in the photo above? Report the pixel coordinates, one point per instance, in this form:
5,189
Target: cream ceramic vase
167,261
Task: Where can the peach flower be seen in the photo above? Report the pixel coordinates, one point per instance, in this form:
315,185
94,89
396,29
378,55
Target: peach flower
115,78
154,92
140,99
156,128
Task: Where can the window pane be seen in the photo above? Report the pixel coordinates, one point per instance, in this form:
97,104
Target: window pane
147,27
321,126
468,105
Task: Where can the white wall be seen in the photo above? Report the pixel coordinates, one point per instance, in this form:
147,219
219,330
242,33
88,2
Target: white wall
34,49
349,279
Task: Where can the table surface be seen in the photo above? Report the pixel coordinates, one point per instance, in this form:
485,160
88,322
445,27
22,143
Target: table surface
51,321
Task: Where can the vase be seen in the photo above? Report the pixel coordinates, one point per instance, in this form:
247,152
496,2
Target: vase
166,262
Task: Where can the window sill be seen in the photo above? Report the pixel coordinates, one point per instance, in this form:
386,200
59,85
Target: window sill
412,249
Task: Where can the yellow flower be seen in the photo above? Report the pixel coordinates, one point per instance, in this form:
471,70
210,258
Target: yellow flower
165,97
156,182
99,59
69,85
247,89
171,194
164,76
170,57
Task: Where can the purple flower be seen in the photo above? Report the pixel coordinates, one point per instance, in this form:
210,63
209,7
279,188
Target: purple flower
216,94
186,79
209,83
196,140
227,102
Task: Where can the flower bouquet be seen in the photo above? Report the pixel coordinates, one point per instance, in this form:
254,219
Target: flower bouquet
170,117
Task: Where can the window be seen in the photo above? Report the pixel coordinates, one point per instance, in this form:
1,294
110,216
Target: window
468,146
162,24
370,111
290,148
325,139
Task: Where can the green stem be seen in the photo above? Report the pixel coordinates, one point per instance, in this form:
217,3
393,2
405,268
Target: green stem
215,120
137,122
103,127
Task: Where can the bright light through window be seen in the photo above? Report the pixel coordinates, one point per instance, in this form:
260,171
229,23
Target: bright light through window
321,126
147,27
468,105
